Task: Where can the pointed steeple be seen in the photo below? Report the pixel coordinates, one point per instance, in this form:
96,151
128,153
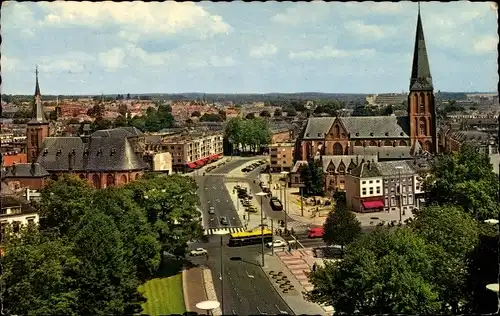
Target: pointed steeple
421,78
37,114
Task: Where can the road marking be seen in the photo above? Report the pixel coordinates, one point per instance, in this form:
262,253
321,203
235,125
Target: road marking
211,231
249,275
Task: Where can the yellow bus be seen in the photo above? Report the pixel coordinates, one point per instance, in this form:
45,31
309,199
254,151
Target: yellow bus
250,237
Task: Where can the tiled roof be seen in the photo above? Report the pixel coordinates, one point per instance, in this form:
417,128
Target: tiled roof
318,127
26,170
59,152
111,154
389,168
366,170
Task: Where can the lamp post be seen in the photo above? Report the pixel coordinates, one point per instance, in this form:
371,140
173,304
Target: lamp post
221,233
262,194
207,306
285,207
400,198
495,286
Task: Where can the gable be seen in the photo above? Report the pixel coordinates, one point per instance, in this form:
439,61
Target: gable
318,127
337,130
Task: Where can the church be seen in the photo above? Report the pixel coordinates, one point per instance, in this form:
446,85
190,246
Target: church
388,137
107,158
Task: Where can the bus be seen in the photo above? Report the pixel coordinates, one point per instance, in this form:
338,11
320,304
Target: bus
251,237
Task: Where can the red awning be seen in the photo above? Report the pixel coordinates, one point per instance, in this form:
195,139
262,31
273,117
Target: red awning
200,162
216,156
191,165
373,204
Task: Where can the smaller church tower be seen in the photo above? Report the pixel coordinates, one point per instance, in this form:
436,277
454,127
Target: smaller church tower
421,102
38,127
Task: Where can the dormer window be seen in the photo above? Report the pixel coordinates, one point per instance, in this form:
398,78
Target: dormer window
371,134
73,151
386,133
357,134
319,134
401,134
85,152
45,152
307,135
113,151
59,151
99,152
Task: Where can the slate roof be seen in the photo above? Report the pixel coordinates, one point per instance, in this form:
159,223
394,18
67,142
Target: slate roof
398,152
26,170
111,154
37,114
389,168
470,136
361,127
59,152
119,132
366,170
421,78
350,161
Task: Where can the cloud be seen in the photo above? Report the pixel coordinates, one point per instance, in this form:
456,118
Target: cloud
137,17
212,61
112,59
299,13
10,63
371,31
263,50
328,52
486,44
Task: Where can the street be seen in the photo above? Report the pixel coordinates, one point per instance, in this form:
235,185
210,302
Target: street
247,290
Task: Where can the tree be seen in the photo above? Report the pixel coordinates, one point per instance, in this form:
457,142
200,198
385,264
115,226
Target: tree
313,177
465,179
100,124
120,121
107,282
341,227
211,117
196,114
278,112
38,275
387,110
63,203
457,234
386,272
250,116
250,132
128,96
291,112
360,110
265,113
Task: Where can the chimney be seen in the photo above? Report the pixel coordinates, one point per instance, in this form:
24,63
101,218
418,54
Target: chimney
70,162
369,164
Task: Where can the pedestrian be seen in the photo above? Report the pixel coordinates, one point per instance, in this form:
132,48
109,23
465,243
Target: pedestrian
314,267
289,248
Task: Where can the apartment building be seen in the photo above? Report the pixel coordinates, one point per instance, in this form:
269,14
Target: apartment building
16,213
386,186
191,151
281,157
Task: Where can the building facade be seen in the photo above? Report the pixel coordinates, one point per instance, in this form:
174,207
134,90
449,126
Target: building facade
281,157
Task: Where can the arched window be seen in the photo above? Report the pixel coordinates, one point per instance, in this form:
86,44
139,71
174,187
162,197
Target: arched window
337,149
421,103
110,180
123,179
82,176
341,168
358,143
422,127
137,176
96,181
387,143
337,131
403,143
372,143
415,102
54,177
428,146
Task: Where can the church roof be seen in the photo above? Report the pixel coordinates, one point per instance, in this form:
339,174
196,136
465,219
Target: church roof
25,170
421,78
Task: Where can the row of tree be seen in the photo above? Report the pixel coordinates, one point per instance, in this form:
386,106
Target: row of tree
249,134
94,247
438,264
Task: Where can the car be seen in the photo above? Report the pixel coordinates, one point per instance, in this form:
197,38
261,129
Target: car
198,252
224,221
276,243
211,210
252,209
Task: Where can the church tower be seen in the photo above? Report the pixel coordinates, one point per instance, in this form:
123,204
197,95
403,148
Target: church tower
421,102
38,127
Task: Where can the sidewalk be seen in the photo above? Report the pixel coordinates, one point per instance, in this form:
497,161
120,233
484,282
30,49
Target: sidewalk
249,220
293,267
198,286
237,173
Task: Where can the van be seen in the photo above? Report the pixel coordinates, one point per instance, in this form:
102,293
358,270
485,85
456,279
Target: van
316,232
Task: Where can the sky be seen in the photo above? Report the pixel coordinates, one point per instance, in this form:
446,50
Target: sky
89,48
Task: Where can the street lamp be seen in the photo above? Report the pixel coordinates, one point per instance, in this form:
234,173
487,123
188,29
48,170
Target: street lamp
399,195
262,194
221,233
207,306
285,209
494,287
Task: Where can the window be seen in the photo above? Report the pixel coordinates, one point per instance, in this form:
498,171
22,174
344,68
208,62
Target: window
363,182
403,187
371,181
405,200
393,201
386,201
16,226
378,190
110,180
337,149
410,199
386,191
378,181
371,190
363,192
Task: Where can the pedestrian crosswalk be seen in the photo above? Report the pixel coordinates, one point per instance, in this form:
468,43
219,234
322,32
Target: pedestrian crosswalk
228,230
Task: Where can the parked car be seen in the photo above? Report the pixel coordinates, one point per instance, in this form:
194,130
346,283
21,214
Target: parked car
224,221
252,209
211,210
276,243
198,252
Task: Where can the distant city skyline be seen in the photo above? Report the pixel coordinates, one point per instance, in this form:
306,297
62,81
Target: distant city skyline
139,48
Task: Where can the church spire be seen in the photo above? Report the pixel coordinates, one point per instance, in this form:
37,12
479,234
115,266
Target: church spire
421,78
37,114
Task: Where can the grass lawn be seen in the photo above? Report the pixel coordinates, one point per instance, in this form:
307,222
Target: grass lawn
164,294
